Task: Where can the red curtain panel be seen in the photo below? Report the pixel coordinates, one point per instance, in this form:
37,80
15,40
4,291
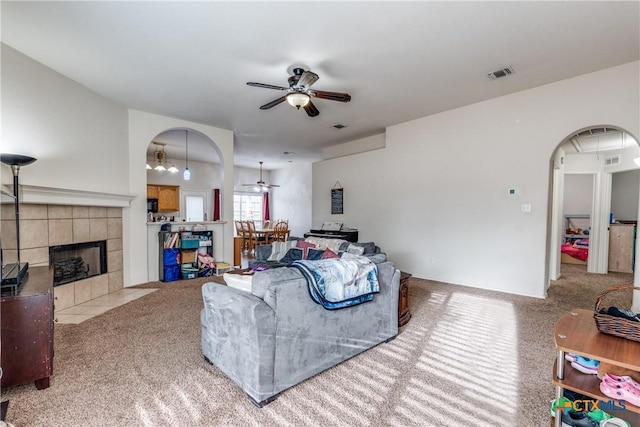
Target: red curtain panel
216,204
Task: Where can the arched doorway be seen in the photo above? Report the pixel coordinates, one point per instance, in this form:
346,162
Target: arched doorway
596,154
169,155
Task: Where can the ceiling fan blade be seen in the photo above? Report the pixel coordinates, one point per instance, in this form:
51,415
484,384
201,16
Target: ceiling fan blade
273,103
332,96
306,80
311,109
266,86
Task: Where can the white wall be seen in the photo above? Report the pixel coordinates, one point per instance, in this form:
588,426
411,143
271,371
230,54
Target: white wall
292,200
578,194
75,134
436,198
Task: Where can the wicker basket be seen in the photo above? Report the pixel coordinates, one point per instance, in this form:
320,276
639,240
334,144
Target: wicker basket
613,325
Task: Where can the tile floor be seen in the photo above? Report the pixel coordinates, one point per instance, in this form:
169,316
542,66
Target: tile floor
81,312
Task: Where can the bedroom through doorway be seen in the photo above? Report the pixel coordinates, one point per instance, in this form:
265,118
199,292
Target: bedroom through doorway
595,194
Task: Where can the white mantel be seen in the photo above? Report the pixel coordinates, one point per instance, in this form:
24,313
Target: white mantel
65,196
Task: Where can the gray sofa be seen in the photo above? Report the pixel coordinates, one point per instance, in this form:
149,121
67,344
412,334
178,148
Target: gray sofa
263,253
276,336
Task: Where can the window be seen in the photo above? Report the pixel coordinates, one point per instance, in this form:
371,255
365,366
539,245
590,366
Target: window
247,207
194,205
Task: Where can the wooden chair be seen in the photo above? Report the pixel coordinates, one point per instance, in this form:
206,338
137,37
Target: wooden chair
280,232
254,238
240,233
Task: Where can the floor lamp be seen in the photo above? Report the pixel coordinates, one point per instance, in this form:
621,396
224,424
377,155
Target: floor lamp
15,273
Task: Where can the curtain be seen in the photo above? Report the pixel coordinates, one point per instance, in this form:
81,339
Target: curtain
216,204
265,207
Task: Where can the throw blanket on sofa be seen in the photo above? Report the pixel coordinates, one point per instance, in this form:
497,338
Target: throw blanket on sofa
338,283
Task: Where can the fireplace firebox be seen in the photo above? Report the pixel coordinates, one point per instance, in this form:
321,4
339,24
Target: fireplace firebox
77,261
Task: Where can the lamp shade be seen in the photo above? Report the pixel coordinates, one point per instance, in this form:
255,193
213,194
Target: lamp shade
298,99
16,159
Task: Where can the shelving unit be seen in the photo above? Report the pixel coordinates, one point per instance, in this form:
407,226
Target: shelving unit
179,254
576,333
582,221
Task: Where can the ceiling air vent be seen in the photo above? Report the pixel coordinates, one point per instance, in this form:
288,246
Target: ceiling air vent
612,160
501,73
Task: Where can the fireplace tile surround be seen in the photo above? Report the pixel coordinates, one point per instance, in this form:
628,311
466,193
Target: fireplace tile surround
43,225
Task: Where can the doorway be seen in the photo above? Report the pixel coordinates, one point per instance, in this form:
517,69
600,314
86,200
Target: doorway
584,177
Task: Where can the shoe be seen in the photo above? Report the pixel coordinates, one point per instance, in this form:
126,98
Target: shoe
614,422
586,365
625,314
570,357
577,419
620,391
598,415
622,379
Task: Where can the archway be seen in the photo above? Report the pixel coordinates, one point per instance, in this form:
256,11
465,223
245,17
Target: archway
598,152
175,150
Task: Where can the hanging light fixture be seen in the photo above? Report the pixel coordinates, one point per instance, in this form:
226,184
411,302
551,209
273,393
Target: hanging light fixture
187,174
298,99
160,157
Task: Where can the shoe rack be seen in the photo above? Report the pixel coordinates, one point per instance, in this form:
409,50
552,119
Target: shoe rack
576,332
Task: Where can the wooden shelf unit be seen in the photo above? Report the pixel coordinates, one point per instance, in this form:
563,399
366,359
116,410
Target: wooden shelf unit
576,333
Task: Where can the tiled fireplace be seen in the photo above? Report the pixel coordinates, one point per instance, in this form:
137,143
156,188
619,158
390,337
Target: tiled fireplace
48,226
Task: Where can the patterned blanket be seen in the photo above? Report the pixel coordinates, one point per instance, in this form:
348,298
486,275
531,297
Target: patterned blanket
338,283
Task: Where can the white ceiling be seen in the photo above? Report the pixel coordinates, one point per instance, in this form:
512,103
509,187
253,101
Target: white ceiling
398,60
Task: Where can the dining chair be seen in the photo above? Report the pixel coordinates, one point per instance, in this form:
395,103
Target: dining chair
240,233
280,232
254,238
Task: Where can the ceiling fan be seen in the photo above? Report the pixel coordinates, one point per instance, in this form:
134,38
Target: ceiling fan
263,186
299,92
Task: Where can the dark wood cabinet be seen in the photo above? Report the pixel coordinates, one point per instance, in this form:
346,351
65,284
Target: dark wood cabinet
404,315
26,331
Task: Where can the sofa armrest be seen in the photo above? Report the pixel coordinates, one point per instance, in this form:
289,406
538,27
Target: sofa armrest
238,337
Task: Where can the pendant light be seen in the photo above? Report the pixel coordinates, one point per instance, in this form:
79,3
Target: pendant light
187,174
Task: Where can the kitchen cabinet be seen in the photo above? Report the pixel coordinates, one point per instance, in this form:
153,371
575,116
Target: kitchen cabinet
168,197
152,191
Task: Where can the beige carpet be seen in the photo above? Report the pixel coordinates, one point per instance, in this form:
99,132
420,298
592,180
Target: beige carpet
467,358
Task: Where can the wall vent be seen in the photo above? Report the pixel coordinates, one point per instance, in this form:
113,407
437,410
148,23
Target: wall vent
612,160
501,73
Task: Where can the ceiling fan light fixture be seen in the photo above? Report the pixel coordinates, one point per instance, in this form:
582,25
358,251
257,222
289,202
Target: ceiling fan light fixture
298,99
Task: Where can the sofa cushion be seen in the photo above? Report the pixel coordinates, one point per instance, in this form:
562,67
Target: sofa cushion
328,253
369,247
293,254
355,249
315,254
279,249
305,246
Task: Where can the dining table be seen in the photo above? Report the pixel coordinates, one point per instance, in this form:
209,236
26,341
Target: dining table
264,232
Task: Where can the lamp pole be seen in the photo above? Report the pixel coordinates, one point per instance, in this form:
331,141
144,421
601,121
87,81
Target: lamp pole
16,161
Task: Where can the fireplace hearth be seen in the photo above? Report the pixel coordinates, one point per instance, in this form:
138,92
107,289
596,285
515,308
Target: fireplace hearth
77,261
